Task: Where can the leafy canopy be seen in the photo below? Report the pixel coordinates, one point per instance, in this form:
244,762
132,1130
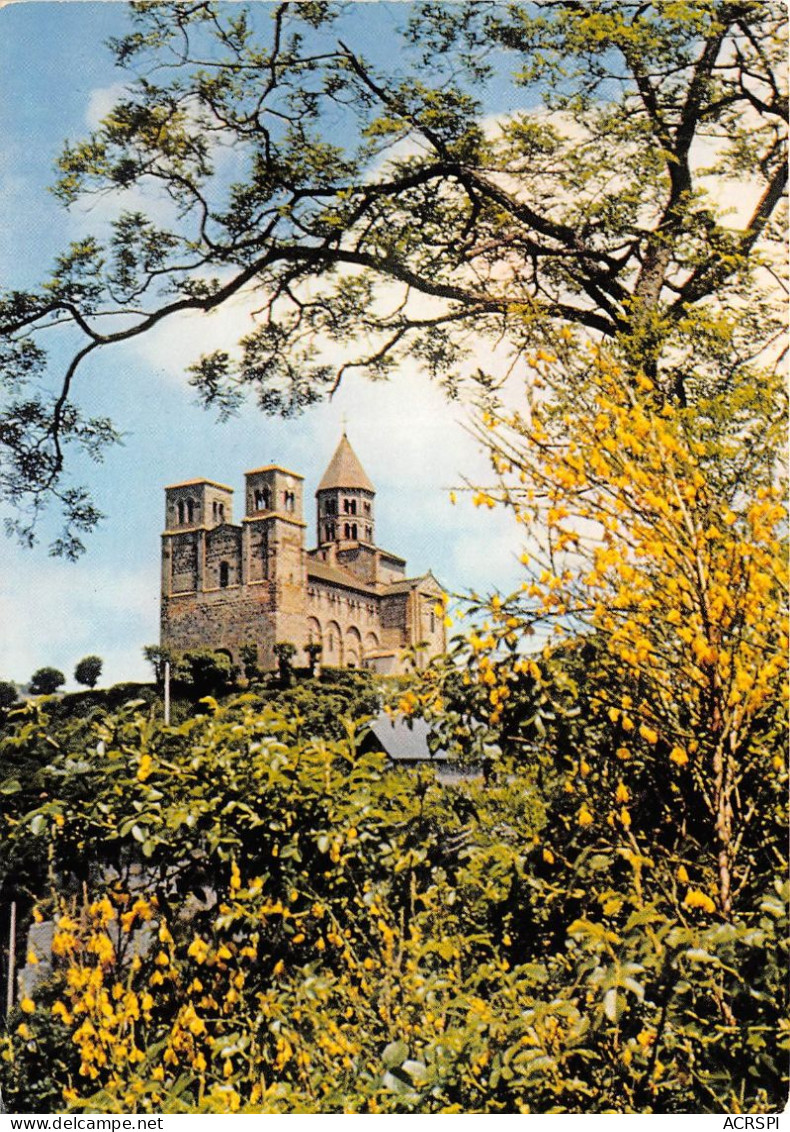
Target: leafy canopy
354,202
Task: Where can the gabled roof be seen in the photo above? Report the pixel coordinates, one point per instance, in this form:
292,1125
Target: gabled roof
404,740
404,585
345,470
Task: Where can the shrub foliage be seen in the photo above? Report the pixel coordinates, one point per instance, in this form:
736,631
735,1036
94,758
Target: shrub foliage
248,919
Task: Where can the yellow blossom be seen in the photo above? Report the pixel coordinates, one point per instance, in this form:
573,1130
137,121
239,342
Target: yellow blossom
198,950
694,898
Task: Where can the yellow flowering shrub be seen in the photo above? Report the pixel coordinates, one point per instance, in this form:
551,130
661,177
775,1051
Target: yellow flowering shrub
657,544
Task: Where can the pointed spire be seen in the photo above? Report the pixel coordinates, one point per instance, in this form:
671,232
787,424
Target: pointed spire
345,470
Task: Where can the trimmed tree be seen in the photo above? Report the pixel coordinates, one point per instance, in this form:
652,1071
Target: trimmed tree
88,671
45,681
285,653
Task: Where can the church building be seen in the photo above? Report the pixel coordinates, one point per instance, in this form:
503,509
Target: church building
226,585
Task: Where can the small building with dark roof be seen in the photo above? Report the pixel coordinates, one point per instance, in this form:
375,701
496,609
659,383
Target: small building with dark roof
405,740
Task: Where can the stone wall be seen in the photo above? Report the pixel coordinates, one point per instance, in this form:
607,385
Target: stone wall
222,619
223,545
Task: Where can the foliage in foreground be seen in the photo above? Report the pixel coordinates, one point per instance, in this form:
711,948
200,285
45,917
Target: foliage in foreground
249,920
658,535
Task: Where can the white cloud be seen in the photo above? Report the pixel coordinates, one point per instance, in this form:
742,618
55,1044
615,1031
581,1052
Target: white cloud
54,614
176,342
101,101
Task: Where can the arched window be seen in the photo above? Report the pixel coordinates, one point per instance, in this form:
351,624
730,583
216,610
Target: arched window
368,533
353,507
190,511
330,507
346,531
181,510
224,574
221,512
329,532
353,530
262,499
290,501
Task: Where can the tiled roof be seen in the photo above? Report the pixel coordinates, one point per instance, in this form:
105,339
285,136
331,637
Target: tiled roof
388,556
339,577
197,480
404,585
274,468
345,470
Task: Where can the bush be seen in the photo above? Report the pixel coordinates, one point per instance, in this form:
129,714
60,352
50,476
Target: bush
8,694
203,672
330,934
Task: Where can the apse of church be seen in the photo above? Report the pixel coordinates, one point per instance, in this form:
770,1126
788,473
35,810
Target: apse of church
227,584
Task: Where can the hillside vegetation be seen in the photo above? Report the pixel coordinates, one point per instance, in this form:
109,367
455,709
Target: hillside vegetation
251,918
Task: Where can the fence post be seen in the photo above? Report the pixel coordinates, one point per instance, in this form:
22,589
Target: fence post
9,1001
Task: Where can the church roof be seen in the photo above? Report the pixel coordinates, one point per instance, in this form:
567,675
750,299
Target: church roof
197,480
403,585
345,470
322,572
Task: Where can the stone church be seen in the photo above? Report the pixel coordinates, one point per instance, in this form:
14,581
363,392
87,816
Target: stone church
226,584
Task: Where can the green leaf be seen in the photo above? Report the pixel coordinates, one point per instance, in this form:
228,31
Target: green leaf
38,825
613,1004
395,1053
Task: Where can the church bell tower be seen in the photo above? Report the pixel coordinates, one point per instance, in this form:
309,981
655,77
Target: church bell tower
345,500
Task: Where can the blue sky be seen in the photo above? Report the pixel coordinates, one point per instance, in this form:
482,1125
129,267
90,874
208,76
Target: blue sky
56,79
